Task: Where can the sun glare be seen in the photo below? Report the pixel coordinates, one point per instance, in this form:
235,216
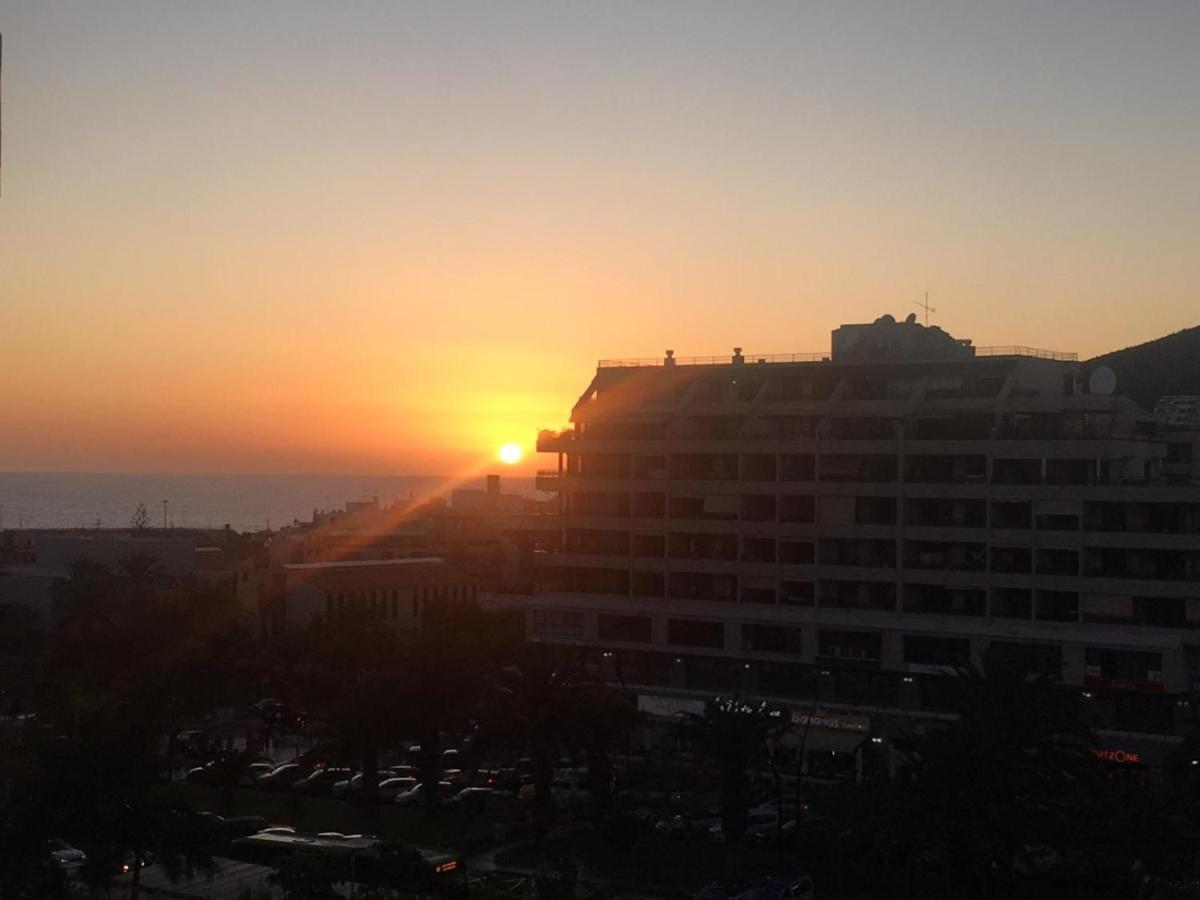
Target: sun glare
511,454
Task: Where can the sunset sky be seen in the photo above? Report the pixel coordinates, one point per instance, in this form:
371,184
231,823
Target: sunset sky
390,237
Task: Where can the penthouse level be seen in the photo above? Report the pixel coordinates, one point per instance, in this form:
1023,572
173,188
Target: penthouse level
906,500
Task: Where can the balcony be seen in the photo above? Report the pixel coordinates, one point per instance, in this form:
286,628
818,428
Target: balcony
549,480
551,441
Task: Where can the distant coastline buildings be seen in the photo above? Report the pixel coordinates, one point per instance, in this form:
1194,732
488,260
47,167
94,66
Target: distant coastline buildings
843,529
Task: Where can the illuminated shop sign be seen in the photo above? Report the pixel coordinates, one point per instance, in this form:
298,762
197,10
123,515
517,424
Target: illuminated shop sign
1118,756
820,719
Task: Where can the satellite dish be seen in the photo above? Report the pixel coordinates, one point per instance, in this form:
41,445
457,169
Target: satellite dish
1102,382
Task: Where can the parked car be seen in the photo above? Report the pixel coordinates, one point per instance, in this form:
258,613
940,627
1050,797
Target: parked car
794,887
211,775
282,777
684,825
276,713
758,818
808,826
570,790
415,794
125,864
500,779
321,781
388,786
348,786
716,890
65,856
200,774
391,788
472,800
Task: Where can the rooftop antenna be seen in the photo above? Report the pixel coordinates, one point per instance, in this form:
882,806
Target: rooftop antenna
925,306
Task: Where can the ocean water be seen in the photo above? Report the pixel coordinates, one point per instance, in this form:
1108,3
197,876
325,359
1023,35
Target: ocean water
244,502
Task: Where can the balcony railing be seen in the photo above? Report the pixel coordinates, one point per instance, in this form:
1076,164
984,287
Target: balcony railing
548,480
548,439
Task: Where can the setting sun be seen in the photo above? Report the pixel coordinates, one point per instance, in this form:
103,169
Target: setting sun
511,454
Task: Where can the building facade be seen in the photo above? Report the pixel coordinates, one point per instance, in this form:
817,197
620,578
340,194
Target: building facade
848,527
403,593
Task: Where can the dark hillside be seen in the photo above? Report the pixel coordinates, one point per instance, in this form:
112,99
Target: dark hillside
1168,365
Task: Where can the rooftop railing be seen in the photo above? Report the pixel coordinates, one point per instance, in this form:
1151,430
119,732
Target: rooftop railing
748,359
753,358
1032,352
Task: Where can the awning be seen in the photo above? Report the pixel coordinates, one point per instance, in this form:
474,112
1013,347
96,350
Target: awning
822,740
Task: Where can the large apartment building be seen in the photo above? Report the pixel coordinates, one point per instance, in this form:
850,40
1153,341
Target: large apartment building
850,526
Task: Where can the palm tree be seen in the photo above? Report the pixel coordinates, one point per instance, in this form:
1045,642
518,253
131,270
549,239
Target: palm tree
101,783
142,573
612,715
734,734
445,667
22,643
359,679
546,704
83,600
230,768
1007,774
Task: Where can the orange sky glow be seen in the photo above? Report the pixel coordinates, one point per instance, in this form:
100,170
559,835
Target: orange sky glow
378,239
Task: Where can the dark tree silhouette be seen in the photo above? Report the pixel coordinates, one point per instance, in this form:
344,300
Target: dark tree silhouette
1006,775
140,520
734,734
141,573
547,704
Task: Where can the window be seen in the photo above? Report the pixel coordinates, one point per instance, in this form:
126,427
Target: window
865,645
557,623
696,633
927,650
630,629
756,549
797,508
1034,659
1124,665
797,593
796,553
1057,606
770,639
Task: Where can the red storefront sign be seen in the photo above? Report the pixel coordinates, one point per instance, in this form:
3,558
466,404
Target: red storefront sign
1122,684
1124,757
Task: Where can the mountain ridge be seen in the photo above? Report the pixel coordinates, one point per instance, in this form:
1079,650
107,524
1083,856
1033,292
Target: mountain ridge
1157,368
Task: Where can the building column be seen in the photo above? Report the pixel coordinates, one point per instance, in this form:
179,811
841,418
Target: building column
1073,664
